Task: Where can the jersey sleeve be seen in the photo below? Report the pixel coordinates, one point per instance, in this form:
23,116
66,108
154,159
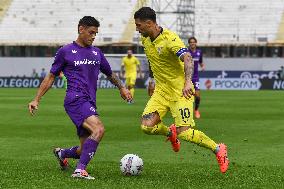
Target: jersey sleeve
177,46
105,67
59,62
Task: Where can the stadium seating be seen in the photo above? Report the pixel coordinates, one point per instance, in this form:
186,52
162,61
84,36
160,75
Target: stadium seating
55,21
41,22
242,21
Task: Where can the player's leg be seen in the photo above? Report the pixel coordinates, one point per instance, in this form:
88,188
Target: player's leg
197,99
63,154
129,86
132,84
199,138
151,122
89,145
182,112
89,129
73,152
155,110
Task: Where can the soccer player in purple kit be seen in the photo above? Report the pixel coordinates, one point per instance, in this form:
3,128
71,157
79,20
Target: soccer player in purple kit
81,63
196,55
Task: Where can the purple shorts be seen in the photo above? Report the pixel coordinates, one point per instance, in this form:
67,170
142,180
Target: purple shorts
196,83
79,107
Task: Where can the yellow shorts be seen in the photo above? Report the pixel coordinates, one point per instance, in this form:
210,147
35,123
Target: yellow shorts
130,81
181,110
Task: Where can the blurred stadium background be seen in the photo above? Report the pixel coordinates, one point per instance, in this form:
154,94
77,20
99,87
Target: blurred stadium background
240,39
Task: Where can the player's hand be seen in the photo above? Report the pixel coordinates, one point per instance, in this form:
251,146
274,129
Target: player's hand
151,88
125,94
202,67
33,106
188,91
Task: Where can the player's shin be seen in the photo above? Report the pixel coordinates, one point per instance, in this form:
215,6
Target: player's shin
159,129
132,92
70,152
88,151
198,138
197,102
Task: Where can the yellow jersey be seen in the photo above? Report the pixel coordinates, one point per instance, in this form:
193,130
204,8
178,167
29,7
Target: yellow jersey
164,57
130,65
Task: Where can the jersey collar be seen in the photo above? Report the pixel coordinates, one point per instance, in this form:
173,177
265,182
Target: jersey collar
157,35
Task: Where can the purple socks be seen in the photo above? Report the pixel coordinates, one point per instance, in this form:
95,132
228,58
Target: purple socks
70,153
88,151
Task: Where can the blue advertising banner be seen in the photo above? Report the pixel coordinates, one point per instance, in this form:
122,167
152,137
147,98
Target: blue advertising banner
239,74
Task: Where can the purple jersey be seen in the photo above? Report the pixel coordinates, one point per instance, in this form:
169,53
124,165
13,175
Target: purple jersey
81,66
197,59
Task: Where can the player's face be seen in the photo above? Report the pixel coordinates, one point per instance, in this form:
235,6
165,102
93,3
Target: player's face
88,34
143,27
192,44
129,52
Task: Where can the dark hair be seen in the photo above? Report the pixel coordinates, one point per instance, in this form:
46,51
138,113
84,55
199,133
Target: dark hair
88,21
193,39
145,13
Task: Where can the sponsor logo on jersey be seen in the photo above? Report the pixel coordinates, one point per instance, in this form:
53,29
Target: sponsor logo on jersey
86,61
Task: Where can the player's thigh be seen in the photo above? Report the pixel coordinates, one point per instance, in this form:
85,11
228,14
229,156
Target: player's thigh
158,104
131,81
182,112
127,81
94,125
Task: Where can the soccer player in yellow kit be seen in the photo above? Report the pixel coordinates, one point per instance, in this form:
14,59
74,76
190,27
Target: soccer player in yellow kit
171,88
130,64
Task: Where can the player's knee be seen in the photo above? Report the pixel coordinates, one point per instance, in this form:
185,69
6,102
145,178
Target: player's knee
97,132
147,129
150,120
101,130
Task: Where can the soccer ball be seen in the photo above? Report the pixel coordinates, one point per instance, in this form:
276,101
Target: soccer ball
131,165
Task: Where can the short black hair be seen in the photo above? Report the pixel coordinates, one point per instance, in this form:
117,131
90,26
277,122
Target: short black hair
88,21
145,13
193,39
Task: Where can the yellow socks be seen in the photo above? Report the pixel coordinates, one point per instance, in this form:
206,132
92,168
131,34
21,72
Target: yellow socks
198,138
159,129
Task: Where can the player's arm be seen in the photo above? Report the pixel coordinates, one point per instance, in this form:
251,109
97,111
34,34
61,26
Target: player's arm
139,67
124,93
188,71
115,80
202,65
122,69
44,87
112,77
178,48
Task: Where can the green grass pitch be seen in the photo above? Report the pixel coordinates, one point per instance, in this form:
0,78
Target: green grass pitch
251,123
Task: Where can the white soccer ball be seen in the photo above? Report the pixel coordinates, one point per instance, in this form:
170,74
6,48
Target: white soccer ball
131,165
